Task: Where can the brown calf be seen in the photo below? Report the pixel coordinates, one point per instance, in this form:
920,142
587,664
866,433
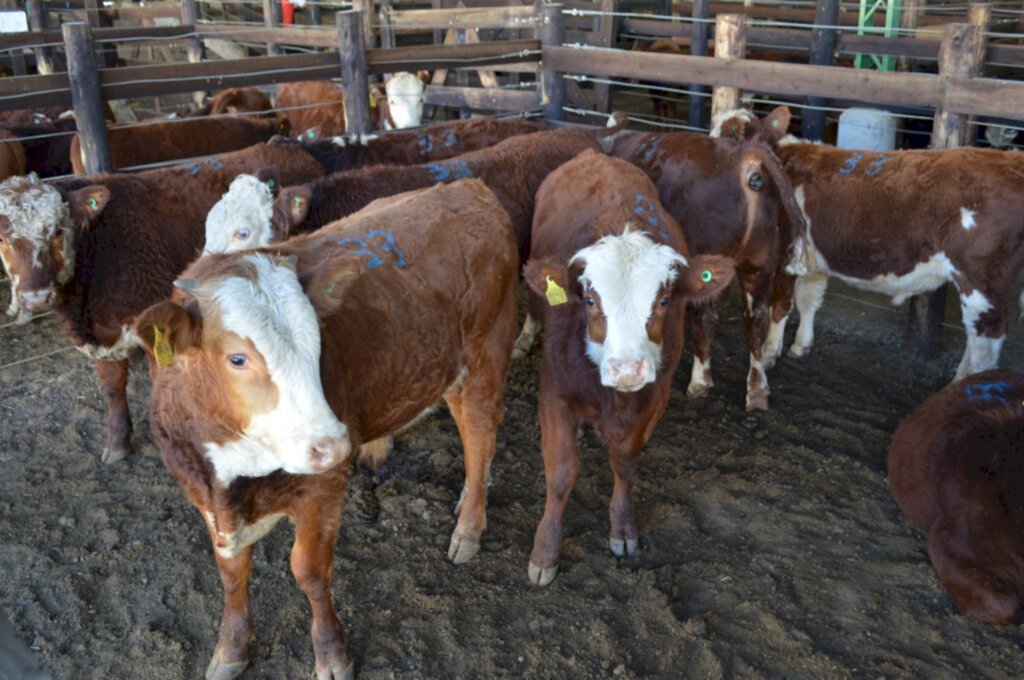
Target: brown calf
901,224
154,141
956,468
730,198
610,277
47,145
257,401
100,249
236,100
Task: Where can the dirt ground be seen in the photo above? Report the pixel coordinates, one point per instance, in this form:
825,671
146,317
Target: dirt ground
770,545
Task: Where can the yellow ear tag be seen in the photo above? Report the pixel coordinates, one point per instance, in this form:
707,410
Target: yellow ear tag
373,101
162,348
556,294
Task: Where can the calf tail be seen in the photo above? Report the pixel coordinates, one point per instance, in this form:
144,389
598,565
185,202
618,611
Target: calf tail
798,254
617,123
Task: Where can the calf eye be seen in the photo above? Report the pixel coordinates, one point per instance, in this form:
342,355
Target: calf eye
238,360
664,302
756,181
590,301
242,233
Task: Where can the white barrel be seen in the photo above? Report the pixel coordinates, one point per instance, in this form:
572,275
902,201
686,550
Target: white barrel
870,129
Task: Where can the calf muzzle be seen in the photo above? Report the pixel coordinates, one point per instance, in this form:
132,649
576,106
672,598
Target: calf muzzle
627,376
36,300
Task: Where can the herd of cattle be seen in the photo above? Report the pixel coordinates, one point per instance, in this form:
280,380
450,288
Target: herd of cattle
299,299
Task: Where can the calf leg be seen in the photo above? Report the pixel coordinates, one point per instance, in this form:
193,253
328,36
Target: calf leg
700,321
984,319
114,379
755,320
623,457
231,655
810,292
526,338
561,469
782,305
312,558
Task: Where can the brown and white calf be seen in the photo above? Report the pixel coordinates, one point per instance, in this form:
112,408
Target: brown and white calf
100,249
610,275
432,143
155,141
730,198
956,469
237,101
261,389
308,104
904,223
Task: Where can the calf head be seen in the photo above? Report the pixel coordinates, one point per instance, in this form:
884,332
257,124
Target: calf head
627,285
403,94
241,219
37,229
239,349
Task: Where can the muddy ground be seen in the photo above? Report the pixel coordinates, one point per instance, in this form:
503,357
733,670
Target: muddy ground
771,547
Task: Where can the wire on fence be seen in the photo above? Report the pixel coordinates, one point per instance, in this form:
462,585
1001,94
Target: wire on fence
36,357
22,323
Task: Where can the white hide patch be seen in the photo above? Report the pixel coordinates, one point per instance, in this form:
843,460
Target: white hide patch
35,210
241,219
117,352
352,140
716,124
967,218
277,317
404,92
627,272
230,543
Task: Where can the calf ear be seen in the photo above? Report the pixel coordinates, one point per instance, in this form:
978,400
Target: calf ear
550,279
290,210
734,128
775,125
167,330
705,276
312,134
326,283
270,176
87,203
425,77
284,126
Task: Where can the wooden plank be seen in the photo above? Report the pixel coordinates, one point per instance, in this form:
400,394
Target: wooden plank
465,17
481,98
151,34
552,82
272,20
194,50
83,74
305,36
355,86
37,22
730,45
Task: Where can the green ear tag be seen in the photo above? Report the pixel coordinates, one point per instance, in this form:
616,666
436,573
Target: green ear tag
707,276
297,201
162,348
555,293
310,134
775,123
93,203
271,183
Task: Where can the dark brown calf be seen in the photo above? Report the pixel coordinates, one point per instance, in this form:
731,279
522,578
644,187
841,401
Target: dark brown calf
956,468
731,198
145,142
259,395
610,278
47,146
100,249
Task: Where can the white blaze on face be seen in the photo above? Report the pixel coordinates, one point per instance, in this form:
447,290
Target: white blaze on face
241,219
404,92
627,272
277,317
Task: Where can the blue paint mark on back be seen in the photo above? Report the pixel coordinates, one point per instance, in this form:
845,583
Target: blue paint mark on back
449,138
647,149
425,142
851,163
195,167
648,210
365,246
875,166
989,393
449,171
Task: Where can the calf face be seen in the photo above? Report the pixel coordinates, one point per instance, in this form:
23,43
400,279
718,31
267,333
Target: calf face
249,335
241,219
37,235
404,93
627,282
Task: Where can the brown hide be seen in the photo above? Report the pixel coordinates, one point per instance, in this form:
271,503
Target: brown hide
587,198
155,141
12,156
236,100
400,325
318,104
956,469
51,113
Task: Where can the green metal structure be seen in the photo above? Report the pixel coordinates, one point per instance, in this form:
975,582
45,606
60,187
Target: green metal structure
866,24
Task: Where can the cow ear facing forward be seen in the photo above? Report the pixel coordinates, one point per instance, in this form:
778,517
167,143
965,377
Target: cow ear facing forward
87,203
705,277
326,283
290,210
167,330
550,279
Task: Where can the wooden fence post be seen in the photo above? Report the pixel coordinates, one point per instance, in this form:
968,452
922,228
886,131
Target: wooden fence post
823,47
730,43
366,7
387,33
37,22
552,83
315,15
193,46
272,19
86,97
607,31
908,26
355,86
961,55
700,29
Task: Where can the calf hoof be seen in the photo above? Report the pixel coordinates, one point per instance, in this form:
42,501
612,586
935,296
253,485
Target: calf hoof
795,351
757,400
23,318
698,390
462,548
518,353
113,455
224,670
622,548
336,672
542,576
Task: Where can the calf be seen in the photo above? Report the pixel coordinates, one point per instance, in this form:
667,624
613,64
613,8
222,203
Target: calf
100,249
47,146
956,469
236,100
662,105
320,104
432,143
12,163
610,276
153,141
730,198
409,301
969,231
